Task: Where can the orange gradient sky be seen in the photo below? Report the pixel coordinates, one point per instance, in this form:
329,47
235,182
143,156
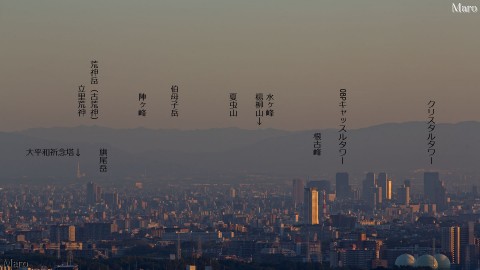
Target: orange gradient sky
392,56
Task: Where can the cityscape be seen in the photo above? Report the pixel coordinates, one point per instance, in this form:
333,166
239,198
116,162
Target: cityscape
239,135
382,223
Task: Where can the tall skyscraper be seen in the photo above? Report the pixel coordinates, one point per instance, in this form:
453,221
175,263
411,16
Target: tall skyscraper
404,193
389,189
467,240
369,190
323,205
342,187
430,181
379,196
311,206
408,183
111,199
320,185
382,182
297,191
93,193
451,243
434,190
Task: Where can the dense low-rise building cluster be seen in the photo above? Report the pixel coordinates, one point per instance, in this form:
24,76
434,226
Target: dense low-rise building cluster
376,226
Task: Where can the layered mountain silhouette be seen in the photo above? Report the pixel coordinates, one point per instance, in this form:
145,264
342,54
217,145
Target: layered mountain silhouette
398,148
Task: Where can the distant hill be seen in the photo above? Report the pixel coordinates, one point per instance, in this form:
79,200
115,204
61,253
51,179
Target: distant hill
400,149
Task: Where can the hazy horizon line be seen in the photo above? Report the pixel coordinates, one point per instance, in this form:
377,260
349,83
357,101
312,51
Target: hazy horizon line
232,127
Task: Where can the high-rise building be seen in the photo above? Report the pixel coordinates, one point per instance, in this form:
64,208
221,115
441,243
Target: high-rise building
111,199
434,190
369,190
311,206
467,239
378,196
389,189
357,258
320,185
322,201
382,181
430,181
62,233
451,243
342,187
91,193
408,183
297,192
98,194
94,193
404,193
232,193
323,188
97,231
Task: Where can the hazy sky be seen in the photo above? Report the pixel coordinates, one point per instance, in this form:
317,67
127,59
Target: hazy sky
392,56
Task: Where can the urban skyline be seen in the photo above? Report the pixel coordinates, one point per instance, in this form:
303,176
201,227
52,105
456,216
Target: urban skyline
245,223
250,135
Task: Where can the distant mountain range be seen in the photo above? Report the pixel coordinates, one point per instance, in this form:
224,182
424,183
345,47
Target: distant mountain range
397,148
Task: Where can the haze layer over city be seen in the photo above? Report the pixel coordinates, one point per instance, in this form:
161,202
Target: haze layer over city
239,135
